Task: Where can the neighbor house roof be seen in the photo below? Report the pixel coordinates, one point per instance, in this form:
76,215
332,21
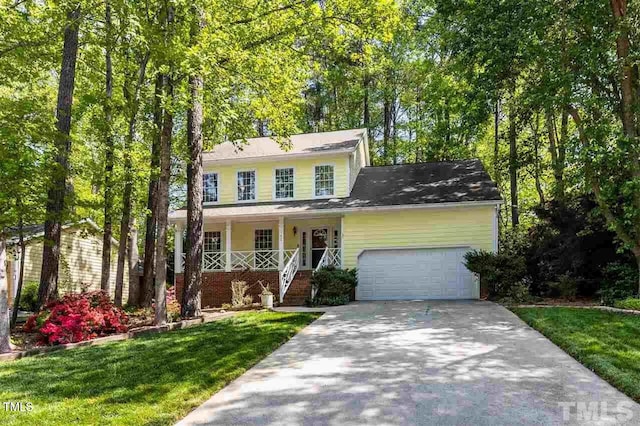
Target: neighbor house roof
405,185
302,144
37,230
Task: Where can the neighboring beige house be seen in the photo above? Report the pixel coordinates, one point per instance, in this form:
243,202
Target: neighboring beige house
80,260
277,215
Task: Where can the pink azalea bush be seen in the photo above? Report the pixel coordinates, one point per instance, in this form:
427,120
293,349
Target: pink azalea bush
77,317
173,307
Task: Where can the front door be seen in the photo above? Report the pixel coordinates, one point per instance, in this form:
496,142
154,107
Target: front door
319,242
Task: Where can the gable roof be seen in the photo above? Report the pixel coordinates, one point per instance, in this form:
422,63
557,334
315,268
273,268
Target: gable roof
306,144
405,185
423,183
37,230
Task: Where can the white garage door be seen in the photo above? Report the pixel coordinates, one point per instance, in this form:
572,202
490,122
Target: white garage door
405,274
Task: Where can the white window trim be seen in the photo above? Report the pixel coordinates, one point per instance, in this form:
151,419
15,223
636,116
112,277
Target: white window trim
313,177
255,192
273,182
212,203
220,250
265,227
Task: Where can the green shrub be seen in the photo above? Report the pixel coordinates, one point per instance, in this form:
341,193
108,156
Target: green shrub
333,286
620,282
328,301
571,238
498,272
629,303
29,296
516,294
566,287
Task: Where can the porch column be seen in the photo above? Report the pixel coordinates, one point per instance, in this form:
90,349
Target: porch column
16,271
177,253
342,242
280,243
227,247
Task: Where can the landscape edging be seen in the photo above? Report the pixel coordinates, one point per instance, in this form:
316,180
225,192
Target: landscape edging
133,333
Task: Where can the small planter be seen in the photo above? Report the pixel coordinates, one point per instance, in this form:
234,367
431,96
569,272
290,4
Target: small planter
267,301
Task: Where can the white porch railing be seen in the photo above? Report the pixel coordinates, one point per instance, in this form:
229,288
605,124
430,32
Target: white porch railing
330,257
253,260
213,261
288,273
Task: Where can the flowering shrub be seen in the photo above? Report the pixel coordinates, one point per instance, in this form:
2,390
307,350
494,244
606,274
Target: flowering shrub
173,307
77,317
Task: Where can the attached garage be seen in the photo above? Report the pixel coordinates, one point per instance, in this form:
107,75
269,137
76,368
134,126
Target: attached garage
415,273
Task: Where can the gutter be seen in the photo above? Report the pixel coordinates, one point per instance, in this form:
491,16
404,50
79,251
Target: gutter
174,218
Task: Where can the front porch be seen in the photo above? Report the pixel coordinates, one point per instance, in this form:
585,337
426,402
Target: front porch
283,252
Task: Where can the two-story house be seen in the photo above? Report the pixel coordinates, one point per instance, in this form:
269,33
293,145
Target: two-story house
278,214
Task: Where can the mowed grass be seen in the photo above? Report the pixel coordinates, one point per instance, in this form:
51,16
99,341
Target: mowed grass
605,342
150,380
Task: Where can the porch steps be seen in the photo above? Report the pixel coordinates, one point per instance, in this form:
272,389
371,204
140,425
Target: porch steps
300,289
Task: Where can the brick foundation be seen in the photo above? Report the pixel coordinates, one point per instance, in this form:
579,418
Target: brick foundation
216,286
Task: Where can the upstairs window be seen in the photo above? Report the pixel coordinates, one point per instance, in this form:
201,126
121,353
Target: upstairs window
247,185
283,183
324,181
210,188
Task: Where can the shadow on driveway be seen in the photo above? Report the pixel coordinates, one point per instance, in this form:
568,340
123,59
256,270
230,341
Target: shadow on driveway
428,362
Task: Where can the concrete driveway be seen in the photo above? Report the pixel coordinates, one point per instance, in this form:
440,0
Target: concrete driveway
399,363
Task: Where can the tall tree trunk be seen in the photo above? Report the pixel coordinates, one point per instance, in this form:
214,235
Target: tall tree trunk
132,259
496,142
105,277
536,159
163,211
386,131
366,113
447,123
152,200
133,299
132,101
125,221
22,245
5,341
627,76
57,189
513,168
556,164
394,132
193,263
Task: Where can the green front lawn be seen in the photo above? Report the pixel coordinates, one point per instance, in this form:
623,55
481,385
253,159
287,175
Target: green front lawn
607,343
149,380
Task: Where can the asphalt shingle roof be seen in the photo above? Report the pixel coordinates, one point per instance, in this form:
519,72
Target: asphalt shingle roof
422,183
405,184
308,143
